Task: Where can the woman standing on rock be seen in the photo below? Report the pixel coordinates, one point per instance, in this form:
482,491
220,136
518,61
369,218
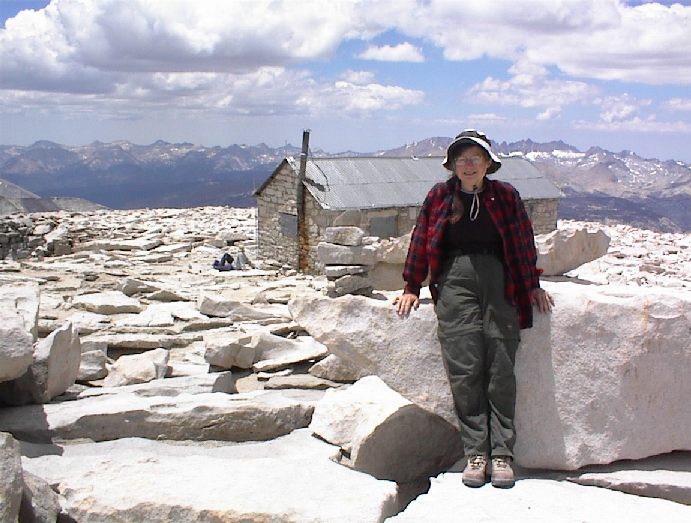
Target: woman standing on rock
475,240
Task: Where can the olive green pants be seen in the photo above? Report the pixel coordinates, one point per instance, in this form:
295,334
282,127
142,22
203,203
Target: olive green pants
479,335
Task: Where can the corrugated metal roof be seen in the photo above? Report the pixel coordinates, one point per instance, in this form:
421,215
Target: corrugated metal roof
376,182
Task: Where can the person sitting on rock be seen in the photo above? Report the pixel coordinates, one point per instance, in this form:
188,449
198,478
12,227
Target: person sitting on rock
225,263
475,240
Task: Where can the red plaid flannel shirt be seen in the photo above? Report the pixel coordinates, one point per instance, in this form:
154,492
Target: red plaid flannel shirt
505,207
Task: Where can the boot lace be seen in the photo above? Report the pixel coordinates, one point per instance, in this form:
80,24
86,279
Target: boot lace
477,462
500,463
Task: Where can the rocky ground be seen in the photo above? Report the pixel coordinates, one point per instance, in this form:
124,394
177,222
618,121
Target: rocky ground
637,257
199,394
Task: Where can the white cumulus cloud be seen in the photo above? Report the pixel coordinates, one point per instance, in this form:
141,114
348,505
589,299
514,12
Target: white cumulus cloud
620,108
122,58
532,90
678,104
405,52
637,124
599,39
358,99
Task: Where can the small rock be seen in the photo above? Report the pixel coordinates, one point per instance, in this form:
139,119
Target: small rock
333,368
229,350
108,302
138,368
367,419
55,367
92,366
39,503
11,474
299,381
351,236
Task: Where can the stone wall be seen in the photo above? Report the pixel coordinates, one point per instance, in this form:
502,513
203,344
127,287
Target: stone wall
400,221
543,214
277,222
277,219
23,237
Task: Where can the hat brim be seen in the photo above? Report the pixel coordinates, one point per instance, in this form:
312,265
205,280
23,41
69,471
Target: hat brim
471,140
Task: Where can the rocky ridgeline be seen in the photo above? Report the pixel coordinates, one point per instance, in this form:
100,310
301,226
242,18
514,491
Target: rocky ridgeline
140,384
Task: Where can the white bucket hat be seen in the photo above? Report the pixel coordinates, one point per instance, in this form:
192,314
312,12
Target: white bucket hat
472,137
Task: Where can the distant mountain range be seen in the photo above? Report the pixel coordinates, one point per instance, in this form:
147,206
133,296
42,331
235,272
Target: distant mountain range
15,199
598,185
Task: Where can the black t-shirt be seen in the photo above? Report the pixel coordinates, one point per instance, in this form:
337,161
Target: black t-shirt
467,233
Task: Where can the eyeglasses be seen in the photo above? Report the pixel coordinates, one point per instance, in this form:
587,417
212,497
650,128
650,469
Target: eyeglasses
474,160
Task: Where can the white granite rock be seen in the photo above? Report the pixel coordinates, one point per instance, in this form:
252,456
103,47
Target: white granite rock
352,284
393,250
299,381
141,341
142,243
166,296
130,286
92,366
89,345
614,357
382,433
169,387
16,347
185,311
276,352
107,302
58,355
219,306
11,474
163,314
663,484
370,336
288,479
387,277
332,254
21,298
89,322
58,242
228,350
174,248
336,271
633,253
152,316
251,416
39,503
55,367
667,476
563,250
334,368
535,500
188,360
138,368
604,378
351,236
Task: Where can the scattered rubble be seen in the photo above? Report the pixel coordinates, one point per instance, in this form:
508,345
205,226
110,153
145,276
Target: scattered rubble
141,362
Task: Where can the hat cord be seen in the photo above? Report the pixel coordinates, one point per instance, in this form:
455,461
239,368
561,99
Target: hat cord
475,205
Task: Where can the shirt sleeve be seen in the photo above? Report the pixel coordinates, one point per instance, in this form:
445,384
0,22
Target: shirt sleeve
416,264
529,258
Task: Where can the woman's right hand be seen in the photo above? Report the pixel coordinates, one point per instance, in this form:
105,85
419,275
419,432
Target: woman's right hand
405,303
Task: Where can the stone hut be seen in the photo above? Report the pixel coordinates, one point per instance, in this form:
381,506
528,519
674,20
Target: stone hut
380,195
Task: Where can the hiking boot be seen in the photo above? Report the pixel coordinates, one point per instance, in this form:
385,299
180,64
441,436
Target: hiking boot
502,473
474,474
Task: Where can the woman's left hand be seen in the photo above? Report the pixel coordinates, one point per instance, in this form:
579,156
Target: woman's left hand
542,300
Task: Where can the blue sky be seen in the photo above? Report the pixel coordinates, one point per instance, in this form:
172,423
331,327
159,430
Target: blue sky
364,75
